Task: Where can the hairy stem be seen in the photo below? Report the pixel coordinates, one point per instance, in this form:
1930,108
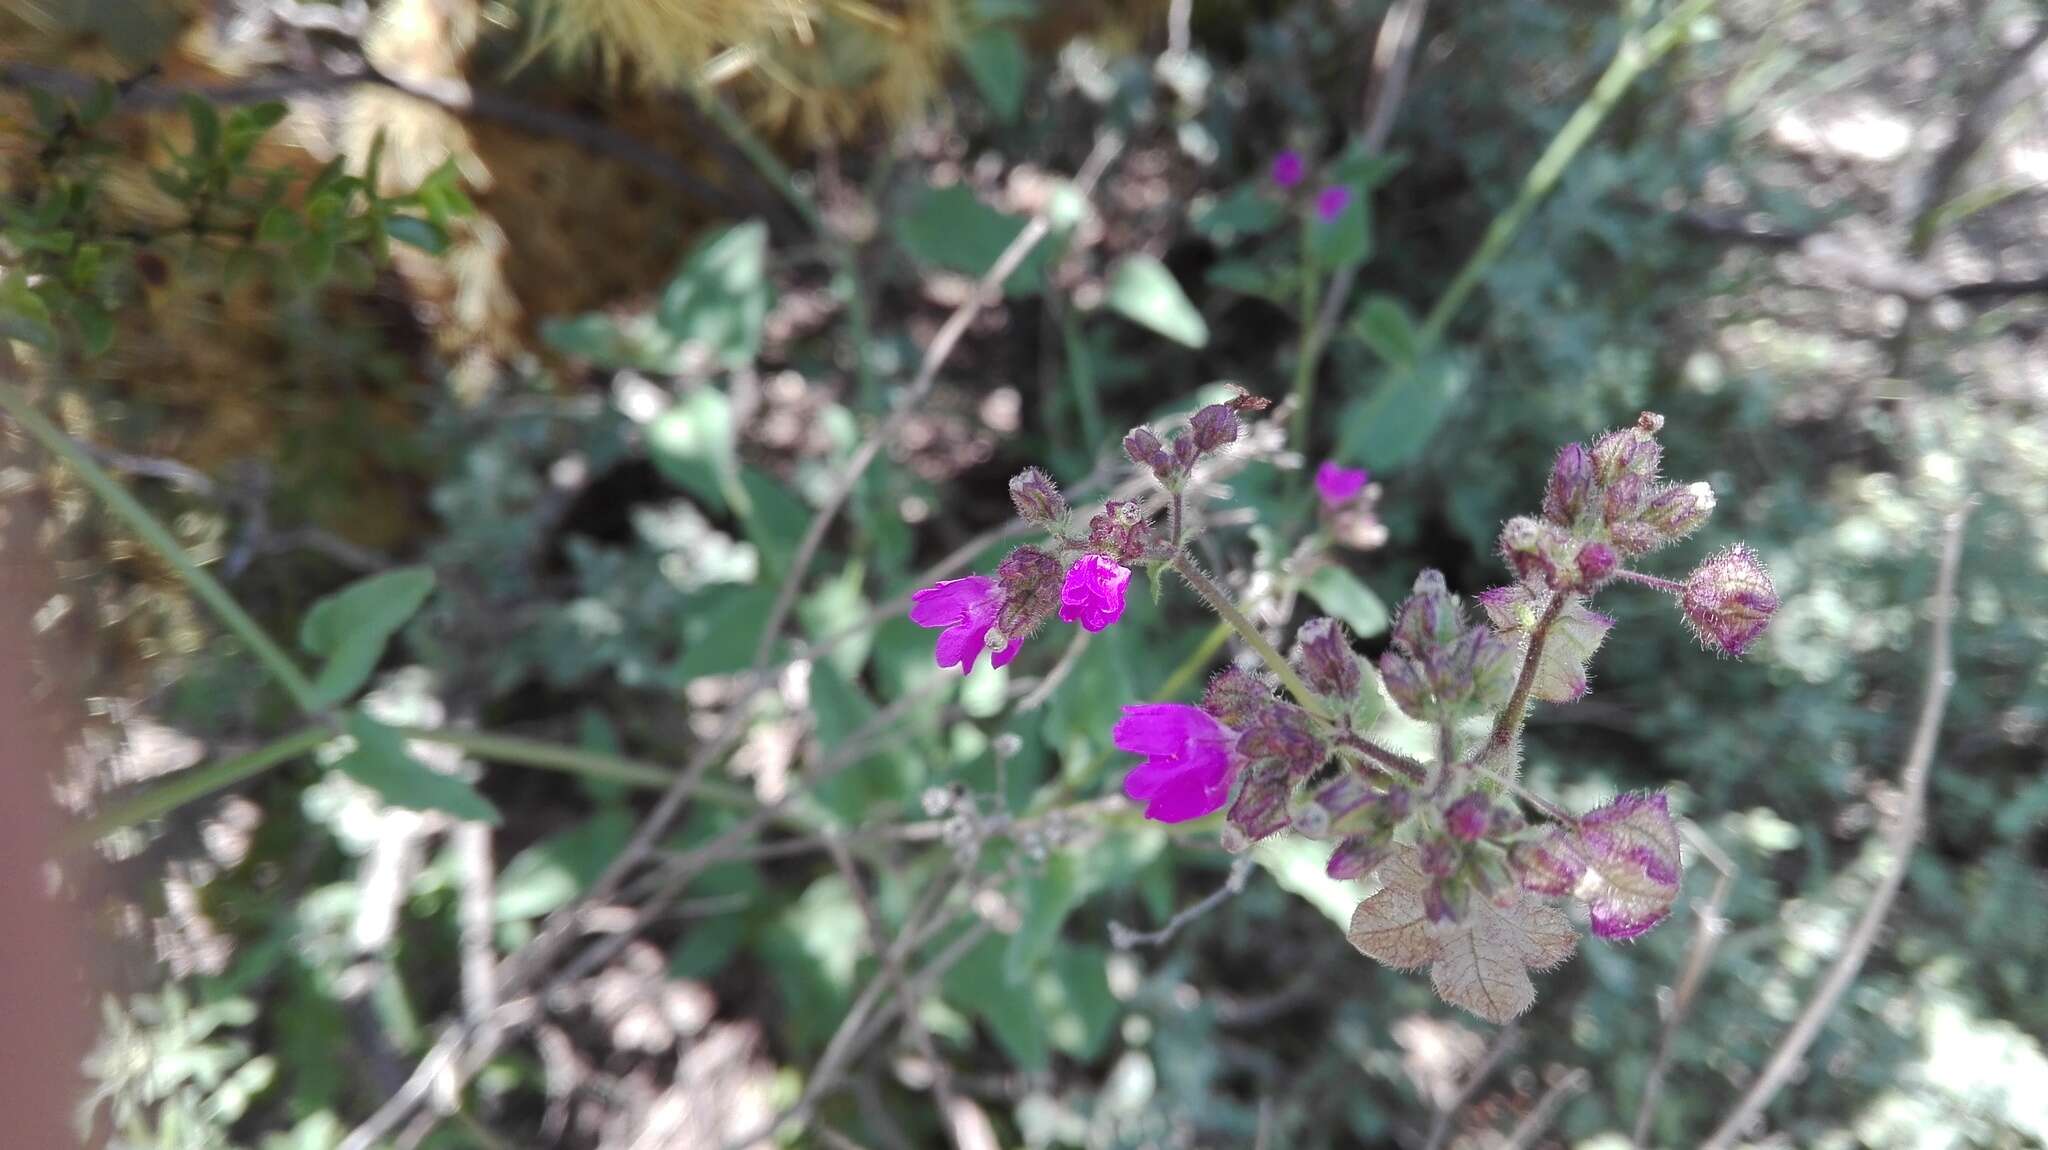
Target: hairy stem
1249,632
1668,586
1393,762
1509,723
159,539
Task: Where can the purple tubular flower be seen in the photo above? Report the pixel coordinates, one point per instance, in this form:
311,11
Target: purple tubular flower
966,609
1331,202
1337,484
1094,592
1288,169
1187,767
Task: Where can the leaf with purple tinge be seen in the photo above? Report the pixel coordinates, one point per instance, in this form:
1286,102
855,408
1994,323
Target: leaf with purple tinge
1630,846
1577,634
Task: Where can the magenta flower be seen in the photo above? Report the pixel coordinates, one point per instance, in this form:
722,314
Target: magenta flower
1338,484
1094,592
1331,202
1187,767
1288,169
967,609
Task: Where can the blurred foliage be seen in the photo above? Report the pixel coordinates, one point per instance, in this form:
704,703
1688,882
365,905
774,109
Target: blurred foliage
607,519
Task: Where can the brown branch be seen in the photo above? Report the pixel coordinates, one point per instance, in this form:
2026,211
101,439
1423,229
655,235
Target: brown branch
1503,1044
1900,839
1533,1124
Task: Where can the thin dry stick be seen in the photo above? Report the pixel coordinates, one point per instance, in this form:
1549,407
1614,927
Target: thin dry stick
1533,1124
1503,1044
1707,934
477,922
1899,840
1124,938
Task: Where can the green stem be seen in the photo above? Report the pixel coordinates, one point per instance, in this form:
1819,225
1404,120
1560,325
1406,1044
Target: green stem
1632,59
764,159
152,532
1221,604
1310,354
197,783
1197,661
547,756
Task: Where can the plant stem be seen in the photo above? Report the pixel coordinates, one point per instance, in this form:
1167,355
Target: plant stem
1635,56
1393,762
1509,723
1305,361
159,539
546,756
1668,586
1221,604
1195,662
197,783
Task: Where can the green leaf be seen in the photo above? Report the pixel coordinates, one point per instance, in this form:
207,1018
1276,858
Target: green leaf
280,225
996,62
720,630
981,985
413,231
205,125
711,941
1074,995
266,115
380,762
351,627
1397,422
1243,212
556,869
1048,898
1254,278
719,299
1143,291
313,258
692,444
1344,240
1339,593
951,228
1386,326
95,326
776,519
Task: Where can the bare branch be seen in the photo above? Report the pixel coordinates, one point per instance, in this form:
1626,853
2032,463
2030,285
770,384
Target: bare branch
1900,839
1124,938
1533,1124
1503,1044
1708,931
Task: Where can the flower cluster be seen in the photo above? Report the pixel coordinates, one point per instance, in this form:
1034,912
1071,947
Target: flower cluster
1466,860
1289,170
1083,571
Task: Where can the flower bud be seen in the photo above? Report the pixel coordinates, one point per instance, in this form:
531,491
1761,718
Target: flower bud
1310,820
1483,673
1145,450
1630,451
1570,491
1030,583
1547,864
1356,857
1407,683
1185,453
1526,547
1323,658
1282,735
1213,428
1469,817
1729,600
1038,500
1429,617
1677,510
1261,806
1236,697
1119,531
1596,564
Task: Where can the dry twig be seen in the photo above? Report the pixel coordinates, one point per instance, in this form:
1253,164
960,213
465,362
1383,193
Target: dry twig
1900,839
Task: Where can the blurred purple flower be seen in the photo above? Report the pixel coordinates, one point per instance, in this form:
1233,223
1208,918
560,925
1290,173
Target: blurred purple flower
1331,202
1338,484
1187,767
966,609
1094,592
1288,169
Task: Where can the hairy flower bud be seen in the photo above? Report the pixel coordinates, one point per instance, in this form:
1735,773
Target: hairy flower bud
1676,510
1438,667
1596,564
1185,453
1630,451
1037,498
1571,489
1213,428
1356,857
1729,600
1283,736
1429,617
1237,697
1119,531
1261,806
1469,817
1548,864
1322,657
1145,450
1542,554
1030,583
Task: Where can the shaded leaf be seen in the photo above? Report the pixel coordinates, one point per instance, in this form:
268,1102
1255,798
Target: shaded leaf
996,61
951,228
1398,421
556,869
1143,291
1337,591
352,626
381,762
